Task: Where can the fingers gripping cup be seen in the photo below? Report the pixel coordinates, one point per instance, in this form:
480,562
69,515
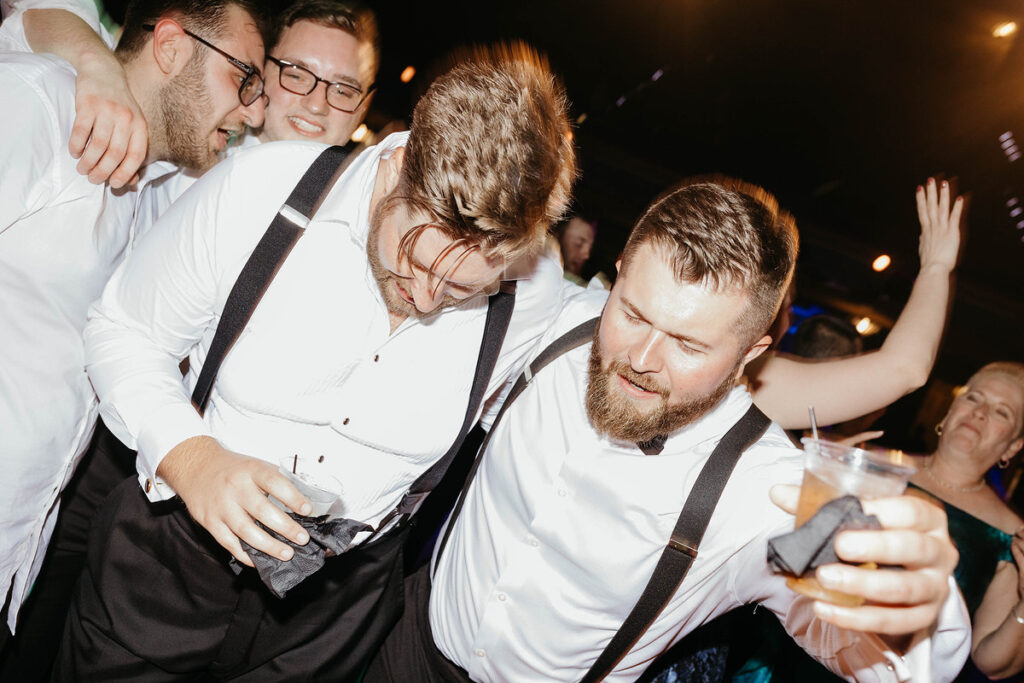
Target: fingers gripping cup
831,471
320,488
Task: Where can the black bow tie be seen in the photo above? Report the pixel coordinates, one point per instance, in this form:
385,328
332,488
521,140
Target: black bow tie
653,446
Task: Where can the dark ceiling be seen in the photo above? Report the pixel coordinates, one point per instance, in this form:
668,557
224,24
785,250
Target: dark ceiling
839,108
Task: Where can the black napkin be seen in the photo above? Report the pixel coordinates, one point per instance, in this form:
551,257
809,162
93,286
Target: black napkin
812,545
326,538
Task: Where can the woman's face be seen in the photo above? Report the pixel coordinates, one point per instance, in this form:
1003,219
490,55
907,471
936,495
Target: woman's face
986,419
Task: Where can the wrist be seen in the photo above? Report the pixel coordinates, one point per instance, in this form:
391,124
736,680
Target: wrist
936,268
96,59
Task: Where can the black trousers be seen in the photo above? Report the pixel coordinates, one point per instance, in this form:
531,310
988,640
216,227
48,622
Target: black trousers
409,653
106,463
157,601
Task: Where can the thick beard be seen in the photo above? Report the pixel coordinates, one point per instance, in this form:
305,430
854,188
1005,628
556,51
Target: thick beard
184,104
386,280
616,417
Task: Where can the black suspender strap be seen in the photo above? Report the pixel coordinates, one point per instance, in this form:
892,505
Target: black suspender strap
577,336
282,234
499,313
681,550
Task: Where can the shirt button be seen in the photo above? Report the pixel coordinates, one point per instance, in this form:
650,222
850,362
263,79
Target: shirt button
502,597
534,542
562,493
480,653
345,421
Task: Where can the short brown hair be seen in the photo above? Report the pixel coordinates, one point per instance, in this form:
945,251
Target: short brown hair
353,18
206,18
490,153
1011,370
727,233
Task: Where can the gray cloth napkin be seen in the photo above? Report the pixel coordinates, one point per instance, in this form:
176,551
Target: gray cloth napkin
326,539
812,545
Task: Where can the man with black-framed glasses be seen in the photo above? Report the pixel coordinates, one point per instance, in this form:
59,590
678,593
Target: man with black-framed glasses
61,236
326,41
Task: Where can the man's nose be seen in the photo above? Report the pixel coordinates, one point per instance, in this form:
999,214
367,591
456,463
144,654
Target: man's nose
425,294
316,101
255,112
645,354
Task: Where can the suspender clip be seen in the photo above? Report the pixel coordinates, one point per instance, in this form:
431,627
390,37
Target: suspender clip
683,546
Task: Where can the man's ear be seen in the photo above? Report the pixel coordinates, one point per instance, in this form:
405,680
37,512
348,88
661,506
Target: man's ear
172,48
759,347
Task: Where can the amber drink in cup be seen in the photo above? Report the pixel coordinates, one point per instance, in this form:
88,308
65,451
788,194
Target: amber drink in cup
833,470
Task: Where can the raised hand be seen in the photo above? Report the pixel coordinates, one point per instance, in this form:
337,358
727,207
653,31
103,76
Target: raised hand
940,225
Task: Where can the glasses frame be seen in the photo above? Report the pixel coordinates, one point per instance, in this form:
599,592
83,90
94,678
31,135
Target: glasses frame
249,70
282,63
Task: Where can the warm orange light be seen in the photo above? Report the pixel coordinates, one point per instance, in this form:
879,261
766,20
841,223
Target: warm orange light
1005,29
866,326
881,263
359,134
407,74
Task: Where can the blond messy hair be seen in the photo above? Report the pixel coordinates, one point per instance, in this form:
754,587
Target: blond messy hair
490,155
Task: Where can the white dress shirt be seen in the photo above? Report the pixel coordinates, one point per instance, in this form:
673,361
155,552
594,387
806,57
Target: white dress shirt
60,238
562,528
316,372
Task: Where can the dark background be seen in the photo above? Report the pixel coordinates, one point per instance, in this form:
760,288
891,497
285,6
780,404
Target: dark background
839,108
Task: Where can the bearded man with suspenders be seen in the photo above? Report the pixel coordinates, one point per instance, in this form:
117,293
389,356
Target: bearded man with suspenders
621,498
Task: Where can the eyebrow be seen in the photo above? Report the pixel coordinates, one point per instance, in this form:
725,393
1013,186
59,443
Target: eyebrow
692,341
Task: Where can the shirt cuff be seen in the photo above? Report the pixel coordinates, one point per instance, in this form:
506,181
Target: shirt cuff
167,428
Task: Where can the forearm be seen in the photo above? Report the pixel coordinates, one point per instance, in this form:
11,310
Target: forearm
1001,653
67,35
912,345
847,388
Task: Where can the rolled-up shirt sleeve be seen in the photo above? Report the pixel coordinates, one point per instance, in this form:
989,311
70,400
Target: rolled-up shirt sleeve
162,300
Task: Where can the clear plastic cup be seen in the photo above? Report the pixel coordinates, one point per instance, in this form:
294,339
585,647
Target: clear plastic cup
833,470
308,476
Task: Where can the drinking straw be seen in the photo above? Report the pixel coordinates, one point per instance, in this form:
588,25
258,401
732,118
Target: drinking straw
814,423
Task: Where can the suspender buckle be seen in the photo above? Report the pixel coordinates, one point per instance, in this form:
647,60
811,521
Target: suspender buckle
683,546
294,216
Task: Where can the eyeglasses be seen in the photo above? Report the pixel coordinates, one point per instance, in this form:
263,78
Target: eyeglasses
301,81
251,88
